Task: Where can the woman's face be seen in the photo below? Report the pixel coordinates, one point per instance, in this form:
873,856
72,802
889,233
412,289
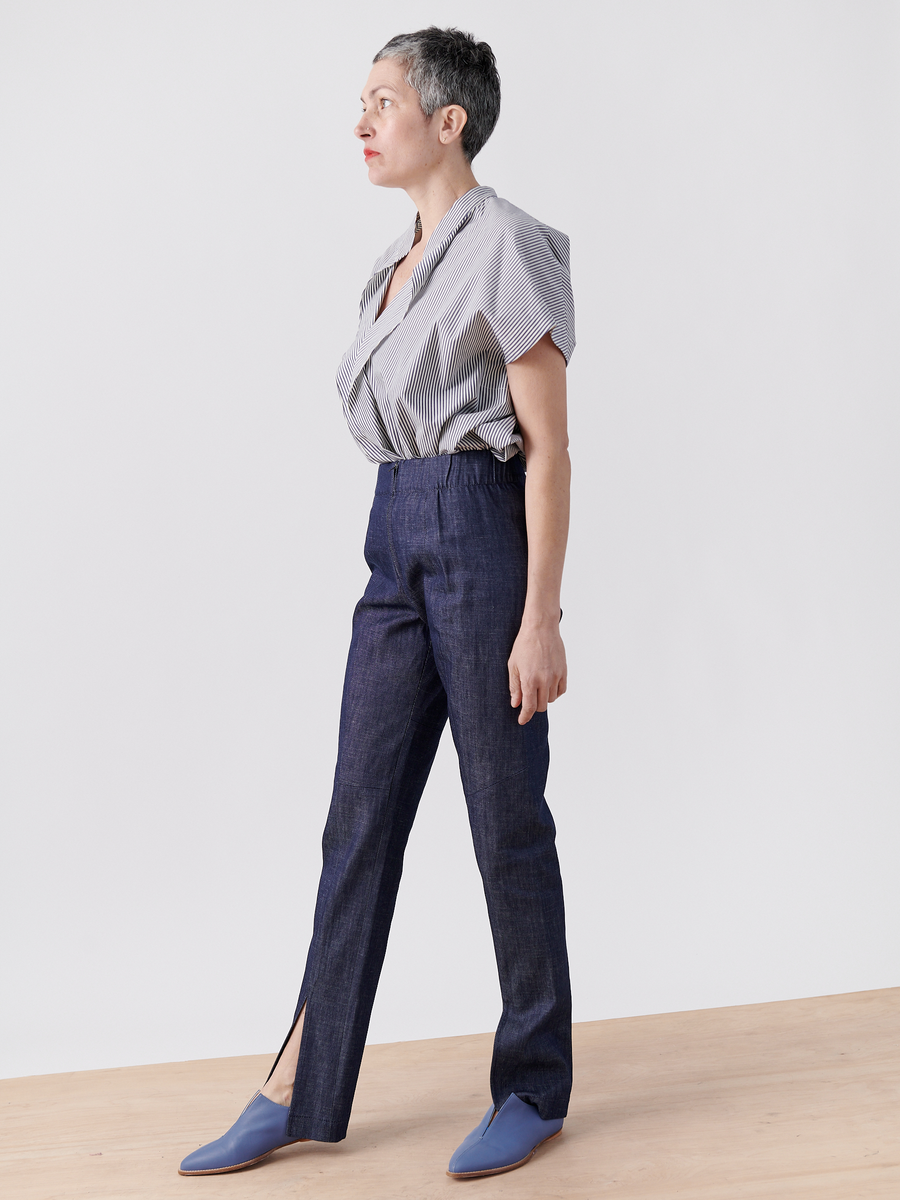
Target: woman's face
400,143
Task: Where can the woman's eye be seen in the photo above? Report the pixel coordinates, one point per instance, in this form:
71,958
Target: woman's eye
384,100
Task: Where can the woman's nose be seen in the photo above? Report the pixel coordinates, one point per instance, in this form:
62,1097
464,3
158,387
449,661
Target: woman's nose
361,129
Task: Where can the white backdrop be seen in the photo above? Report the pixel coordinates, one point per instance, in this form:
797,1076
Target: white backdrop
186,227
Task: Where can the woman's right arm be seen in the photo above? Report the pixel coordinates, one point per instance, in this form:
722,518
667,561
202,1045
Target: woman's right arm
537,664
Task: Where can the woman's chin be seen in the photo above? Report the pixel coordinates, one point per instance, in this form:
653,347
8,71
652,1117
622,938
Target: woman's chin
383,179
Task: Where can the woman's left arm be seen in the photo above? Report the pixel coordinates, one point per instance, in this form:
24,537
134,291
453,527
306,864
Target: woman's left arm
537,664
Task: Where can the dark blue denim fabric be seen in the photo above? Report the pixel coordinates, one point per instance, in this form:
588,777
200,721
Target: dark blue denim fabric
431,637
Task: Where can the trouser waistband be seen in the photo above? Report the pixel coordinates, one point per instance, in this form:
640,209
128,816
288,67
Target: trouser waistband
465,468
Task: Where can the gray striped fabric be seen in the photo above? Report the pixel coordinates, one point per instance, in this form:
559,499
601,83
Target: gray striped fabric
428,376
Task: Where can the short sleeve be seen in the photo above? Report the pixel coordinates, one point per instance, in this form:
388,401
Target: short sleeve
527,291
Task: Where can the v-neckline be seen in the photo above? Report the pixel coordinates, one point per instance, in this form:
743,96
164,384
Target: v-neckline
382,307
461,210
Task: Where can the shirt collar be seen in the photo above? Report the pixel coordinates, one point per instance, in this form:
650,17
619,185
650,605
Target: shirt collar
449,224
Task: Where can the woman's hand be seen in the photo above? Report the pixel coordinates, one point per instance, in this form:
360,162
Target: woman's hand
537,669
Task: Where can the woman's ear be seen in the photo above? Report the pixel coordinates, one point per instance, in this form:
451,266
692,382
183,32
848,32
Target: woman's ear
453,121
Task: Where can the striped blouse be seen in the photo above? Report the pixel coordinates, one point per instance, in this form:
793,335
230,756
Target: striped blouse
428,376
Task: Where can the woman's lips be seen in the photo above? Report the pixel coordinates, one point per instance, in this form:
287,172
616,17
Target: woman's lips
370,154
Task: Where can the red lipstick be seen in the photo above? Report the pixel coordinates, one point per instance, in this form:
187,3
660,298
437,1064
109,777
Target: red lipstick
370,153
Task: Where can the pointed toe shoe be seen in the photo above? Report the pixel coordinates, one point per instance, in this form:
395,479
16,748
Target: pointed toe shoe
259,1130
505,1139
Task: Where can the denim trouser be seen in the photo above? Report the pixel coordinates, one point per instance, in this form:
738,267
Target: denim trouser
447,547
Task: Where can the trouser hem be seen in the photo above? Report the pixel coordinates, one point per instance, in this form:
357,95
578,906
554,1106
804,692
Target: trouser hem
316,1131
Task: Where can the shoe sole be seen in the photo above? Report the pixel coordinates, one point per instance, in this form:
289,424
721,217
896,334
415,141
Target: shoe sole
251,1162
500,1170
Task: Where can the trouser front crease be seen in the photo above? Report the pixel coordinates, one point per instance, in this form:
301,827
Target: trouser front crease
431,637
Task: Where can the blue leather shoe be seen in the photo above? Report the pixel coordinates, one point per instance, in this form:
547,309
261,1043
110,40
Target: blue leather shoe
505,1139
258,1131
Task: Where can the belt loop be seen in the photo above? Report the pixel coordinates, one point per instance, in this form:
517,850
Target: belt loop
450,465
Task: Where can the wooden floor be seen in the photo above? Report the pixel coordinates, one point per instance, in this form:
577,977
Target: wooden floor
778,1101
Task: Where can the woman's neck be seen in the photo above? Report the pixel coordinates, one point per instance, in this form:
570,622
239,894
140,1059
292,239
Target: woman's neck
436,196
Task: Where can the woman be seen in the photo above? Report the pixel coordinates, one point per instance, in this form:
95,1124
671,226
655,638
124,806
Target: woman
457,372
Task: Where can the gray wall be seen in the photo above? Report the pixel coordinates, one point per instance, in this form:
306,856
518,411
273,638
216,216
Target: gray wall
186,226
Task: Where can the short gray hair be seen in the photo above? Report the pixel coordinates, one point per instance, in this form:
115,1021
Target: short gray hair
447,66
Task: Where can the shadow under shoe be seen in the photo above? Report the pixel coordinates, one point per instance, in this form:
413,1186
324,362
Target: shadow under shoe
259,1131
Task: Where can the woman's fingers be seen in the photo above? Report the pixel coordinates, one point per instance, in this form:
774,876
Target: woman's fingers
529,705
536,696
515,686
537,673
